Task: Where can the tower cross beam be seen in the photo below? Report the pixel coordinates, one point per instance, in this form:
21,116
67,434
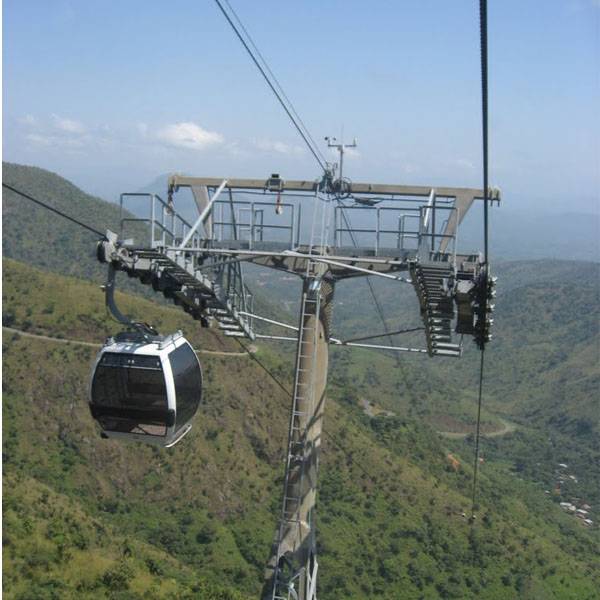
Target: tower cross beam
311,186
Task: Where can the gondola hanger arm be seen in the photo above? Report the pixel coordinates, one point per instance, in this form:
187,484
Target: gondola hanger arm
109,295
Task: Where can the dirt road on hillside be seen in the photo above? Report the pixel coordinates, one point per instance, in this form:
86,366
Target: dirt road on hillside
506,428
56,340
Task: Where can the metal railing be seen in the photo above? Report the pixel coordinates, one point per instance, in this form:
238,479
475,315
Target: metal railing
379,235
247,220
416,228
256,223
166,227
430,240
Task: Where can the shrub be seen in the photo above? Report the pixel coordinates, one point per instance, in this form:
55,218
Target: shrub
207,534
118,578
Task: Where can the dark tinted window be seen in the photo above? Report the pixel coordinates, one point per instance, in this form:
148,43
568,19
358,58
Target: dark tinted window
130,385
188,382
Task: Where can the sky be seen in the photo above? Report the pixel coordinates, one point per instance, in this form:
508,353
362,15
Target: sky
112,95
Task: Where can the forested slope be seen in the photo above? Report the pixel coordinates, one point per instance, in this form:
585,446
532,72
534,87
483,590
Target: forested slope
33,234
390,506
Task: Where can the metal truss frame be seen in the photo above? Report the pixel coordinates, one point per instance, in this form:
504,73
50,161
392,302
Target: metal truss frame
413,230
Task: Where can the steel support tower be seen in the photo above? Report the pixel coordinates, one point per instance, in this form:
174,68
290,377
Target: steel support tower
407,234
292,566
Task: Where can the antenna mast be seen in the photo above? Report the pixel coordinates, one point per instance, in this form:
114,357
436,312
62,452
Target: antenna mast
341,147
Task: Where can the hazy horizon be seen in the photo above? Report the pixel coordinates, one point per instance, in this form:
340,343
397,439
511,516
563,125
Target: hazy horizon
112,96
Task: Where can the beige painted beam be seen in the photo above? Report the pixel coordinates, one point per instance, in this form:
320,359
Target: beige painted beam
177,181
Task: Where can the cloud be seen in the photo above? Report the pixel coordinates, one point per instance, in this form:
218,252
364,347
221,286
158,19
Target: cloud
27,120
54,131
236,149
276,146
464,163
67,125
188,135
38,140
48,140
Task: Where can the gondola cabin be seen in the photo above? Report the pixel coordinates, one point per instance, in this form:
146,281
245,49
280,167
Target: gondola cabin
146,388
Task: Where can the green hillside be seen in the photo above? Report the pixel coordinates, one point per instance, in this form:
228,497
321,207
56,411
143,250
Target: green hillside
53,549
390,502
34,235
542,375
86,517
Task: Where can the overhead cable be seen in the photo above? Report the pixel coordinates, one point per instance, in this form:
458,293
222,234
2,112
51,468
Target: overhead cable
484,120
54,210
305,136
275,80
483,310
370,337
313,149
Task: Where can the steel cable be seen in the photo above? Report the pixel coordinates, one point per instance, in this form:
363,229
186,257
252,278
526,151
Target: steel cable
54,210
313,150
483,309
274,78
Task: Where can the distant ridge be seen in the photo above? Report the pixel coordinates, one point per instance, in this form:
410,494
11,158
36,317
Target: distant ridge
32,234
36,236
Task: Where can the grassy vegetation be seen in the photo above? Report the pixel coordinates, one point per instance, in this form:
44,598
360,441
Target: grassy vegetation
390,502
52,550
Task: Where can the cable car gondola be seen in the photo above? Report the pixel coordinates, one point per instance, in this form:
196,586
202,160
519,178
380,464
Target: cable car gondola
146,389
144,386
